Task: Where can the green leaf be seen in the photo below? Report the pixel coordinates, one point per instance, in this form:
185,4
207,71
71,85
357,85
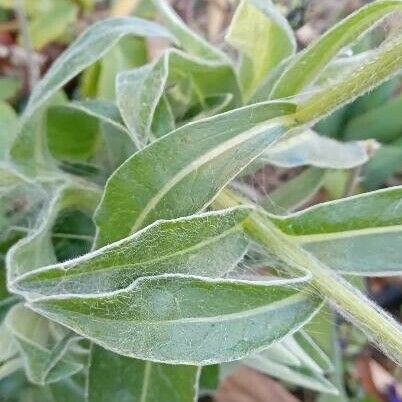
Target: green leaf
383,123
71,135
139,92
209,379
189,40
50,25
263,37
124,379
294,193
350,235
30,332
127,54
36,250
176,175
305,68
210,245
185,319
88,48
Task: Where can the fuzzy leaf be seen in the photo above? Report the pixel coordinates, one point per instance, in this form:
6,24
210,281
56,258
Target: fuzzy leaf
207,245
351,235
176,175
36,250
185,319
305,68
115,377
30,333
263,37
88,48
139,92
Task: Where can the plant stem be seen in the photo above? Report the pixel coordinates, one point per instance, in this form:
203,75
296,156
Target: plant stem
381,328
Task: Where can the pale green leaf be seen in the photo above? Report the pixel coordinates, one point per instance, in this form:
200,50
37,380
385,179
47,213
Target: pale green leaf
305,68
309,148
176,175
358,235
88,48
30,333
140,91
185,319
301,376
263,37
124,379
189,40
207,245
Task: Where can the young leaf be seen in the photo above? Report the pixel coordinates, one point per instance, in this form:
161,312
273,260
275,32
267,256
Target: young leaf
124,379
176,175
185,319
305,68
206,245
140,91
350,235
29,330
189,40
88,48
263,37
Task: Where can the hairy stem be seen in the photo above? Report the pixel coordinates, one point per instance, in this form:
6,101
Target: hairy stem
381,328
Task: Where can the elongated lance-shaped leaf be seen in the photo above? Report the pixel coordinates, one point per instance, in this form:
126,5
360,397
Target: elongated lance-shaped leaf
176,175
140,91
36,250
189,40
206,245
263,37
359,235
305,68
88,48
124,379
183,319
309,148
298,360
30,332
